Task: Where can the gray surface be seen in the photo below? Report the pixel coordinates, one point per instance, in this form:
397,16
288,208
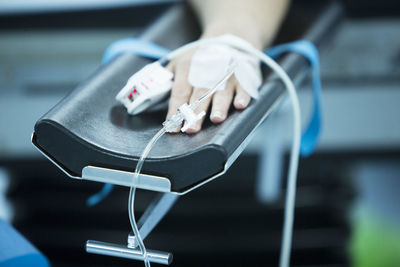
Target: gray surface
39,6
6,211
37,69
361,90
356,118
364,49
378,184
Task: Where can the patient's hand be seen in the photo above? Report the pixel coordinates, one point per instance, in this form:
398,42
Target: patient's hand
255,21
182,92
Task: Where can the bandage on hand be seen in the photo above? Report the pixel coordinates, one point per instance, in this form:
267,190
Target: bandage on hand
198,71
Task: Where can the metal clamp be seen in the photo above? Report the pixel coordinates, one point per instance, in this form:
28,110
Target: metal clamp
125,178
110,249
157,209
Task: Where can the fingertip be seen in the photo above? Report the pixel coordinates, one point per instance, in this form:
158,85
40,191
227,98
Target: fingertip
241,103
216,120
242,99
192,130
175,131
217,116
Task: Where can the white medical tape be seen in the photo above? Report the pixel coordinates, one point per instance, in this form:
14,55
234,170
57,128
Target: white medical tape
211,62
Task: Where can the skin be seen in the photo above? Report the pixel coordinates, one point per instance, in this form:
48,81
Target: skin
256,21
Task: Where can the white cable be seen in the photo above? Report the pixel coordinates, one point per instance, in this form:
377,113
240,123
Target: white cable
293,163
295,149
131,203
172,123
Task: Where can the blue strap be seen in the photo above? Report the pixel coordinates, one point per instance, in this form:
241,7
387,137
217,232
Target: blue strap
134,46
310,137
99,196
151,50
16,251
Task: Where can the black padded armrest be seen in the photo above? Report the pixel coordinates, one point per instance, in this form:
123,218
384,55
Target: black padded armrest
88,127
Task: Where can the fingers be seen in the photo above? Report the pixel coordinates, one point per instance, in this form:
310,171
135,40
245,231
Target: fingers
242,98
181,90
196,94
222,101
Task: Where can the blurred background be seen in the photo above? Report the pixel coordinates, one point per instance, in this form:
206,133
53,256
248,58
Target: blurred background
348,200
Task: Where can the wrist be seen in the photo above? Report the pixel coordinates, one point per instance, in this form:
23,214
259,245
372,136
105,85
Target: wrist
245,30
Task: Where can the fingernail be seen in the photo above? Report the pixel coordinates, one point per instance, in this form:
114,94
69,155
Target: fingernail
217,115
242,103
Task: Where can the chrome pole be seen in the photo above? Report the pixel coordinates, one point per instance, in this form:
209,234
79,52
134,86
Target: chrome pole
110,249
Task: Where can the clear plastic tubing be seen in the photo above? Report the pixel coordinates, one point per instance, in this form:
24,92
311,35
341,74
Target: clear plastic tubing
284,260
145,153
131,205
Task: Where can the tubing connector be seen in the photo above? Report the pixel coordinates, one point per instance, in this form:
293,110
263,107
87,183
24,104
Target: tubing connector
189,116
185,113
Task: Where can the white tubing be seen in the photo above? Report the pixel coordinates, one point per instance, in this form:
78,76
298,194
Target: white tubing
238,43
295,149
293,164
132,191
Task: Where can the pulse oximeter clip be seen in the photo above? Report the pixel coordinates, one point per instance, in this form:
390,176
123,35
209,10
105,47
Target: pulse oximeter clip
145,88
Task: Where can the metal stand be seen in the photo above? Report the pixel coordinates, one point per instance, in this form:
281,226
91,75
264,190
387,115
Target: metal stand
269,173
149,220
121,251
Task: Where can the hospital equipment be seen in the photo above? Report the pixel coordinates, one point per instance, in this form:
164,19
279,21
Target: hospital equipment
145,88
73,128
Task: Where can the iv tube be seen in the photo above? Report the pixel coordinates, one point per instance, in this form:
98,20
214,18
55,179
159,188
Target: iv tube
131,206
295,148
288,222
146,151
